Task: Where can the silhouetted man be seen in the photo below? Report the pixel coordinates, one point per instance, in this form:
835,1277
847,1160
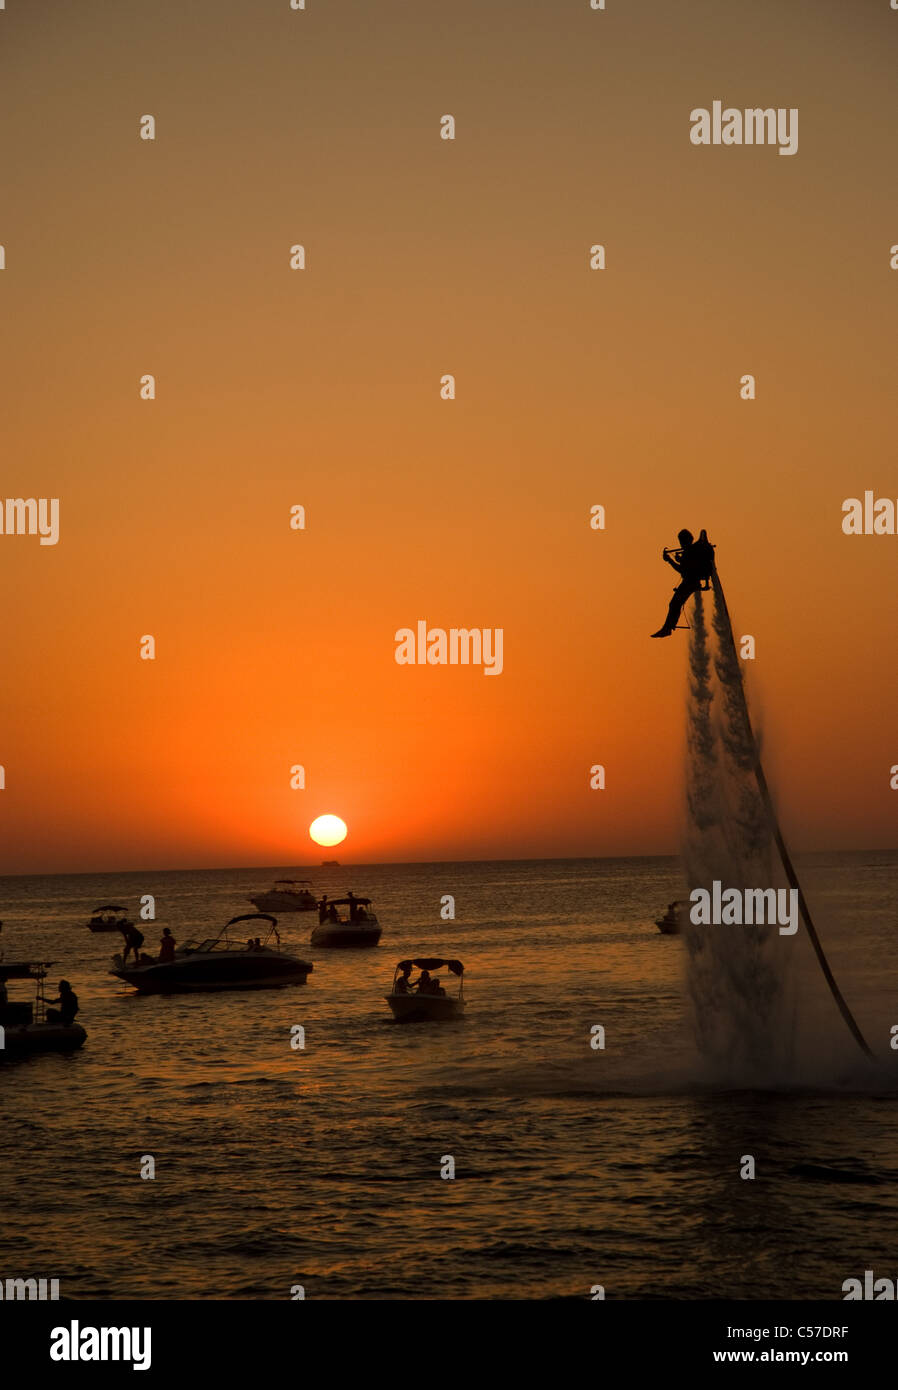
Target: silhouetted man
68,1006
133,942
696,558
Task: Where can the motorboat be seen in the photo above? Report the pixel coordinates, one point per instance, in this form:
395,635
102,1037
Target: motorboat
287,895
219,962
671,923
109,918
425,999
358,927
24,1026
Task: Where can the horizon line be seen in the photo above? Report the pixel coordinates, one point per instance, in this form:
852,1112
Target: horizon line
393,863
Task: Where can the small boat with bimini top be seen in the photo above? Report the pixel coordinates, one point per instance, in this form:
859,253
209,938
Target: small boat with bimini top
27,1027
287,895
358,928
219,962
424,999
109,918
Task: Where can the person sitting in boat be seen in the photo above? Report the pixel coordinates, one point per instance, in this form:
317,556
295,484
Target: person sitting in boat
436,987
423,982
133,942
166,947
68,1006
322,910
361,915
401,985
332,914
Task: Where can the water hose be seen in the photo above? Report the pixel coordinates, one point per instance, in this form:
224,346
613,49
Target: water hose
778,835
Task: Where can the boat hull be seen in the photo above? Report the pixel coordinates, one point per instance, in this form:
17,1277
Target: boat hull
424,1008
352,934
202,973
42,1037
275,902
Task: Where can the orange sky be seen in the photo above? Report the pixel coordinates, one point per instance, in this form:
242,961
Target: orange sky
321,387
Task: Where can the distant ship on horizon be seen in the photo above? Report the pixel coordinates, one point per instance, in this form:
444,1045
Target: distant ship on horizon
330,863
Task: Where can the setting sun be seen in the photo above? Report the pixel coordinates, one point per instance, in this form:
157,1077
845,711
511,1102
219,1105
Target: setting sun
328,830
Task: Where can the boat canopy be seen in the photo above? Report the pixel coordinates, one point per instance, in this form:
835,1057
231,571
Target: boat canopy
110,907
252,917
24,969
346,902
430,963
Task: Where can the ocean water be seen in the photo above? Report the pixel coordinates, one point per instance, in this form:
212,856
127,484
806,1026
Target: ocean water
574,1166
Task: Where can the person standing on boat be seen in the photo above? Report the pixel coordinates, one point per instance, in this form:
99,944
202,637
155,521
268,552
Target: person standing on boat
322,910
166,947
133,942
353,910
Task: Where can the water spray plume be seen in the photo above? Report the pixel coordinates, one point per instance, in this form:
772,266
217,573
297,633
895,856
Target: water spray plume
740,982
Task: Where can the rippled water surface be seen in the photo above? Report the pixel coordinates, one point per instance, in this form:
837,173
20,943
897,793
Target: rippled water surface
574,1166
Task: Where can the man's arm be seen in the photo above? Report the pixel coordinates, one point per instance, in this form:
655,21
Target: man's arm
673,564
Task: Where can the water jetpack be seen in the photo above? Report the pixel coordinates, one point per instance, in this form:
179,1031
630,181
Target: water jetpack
701,558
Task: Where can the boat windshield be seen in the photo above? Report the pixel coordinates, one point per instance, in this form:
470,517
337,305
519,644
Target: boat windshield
224,943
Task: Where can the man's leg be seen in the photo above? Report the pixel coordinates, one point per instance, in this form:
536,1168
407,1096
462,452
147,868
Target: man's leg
680,595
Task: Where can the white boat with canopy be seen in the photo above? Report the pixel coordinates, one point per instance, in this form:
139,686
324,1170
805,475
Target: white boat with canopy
426,998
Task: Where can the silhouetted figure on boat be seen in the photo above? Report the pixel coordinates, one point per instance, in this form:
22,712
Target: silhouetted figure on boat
166,947
133,942
68,1006
695,562
322,909
401,983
